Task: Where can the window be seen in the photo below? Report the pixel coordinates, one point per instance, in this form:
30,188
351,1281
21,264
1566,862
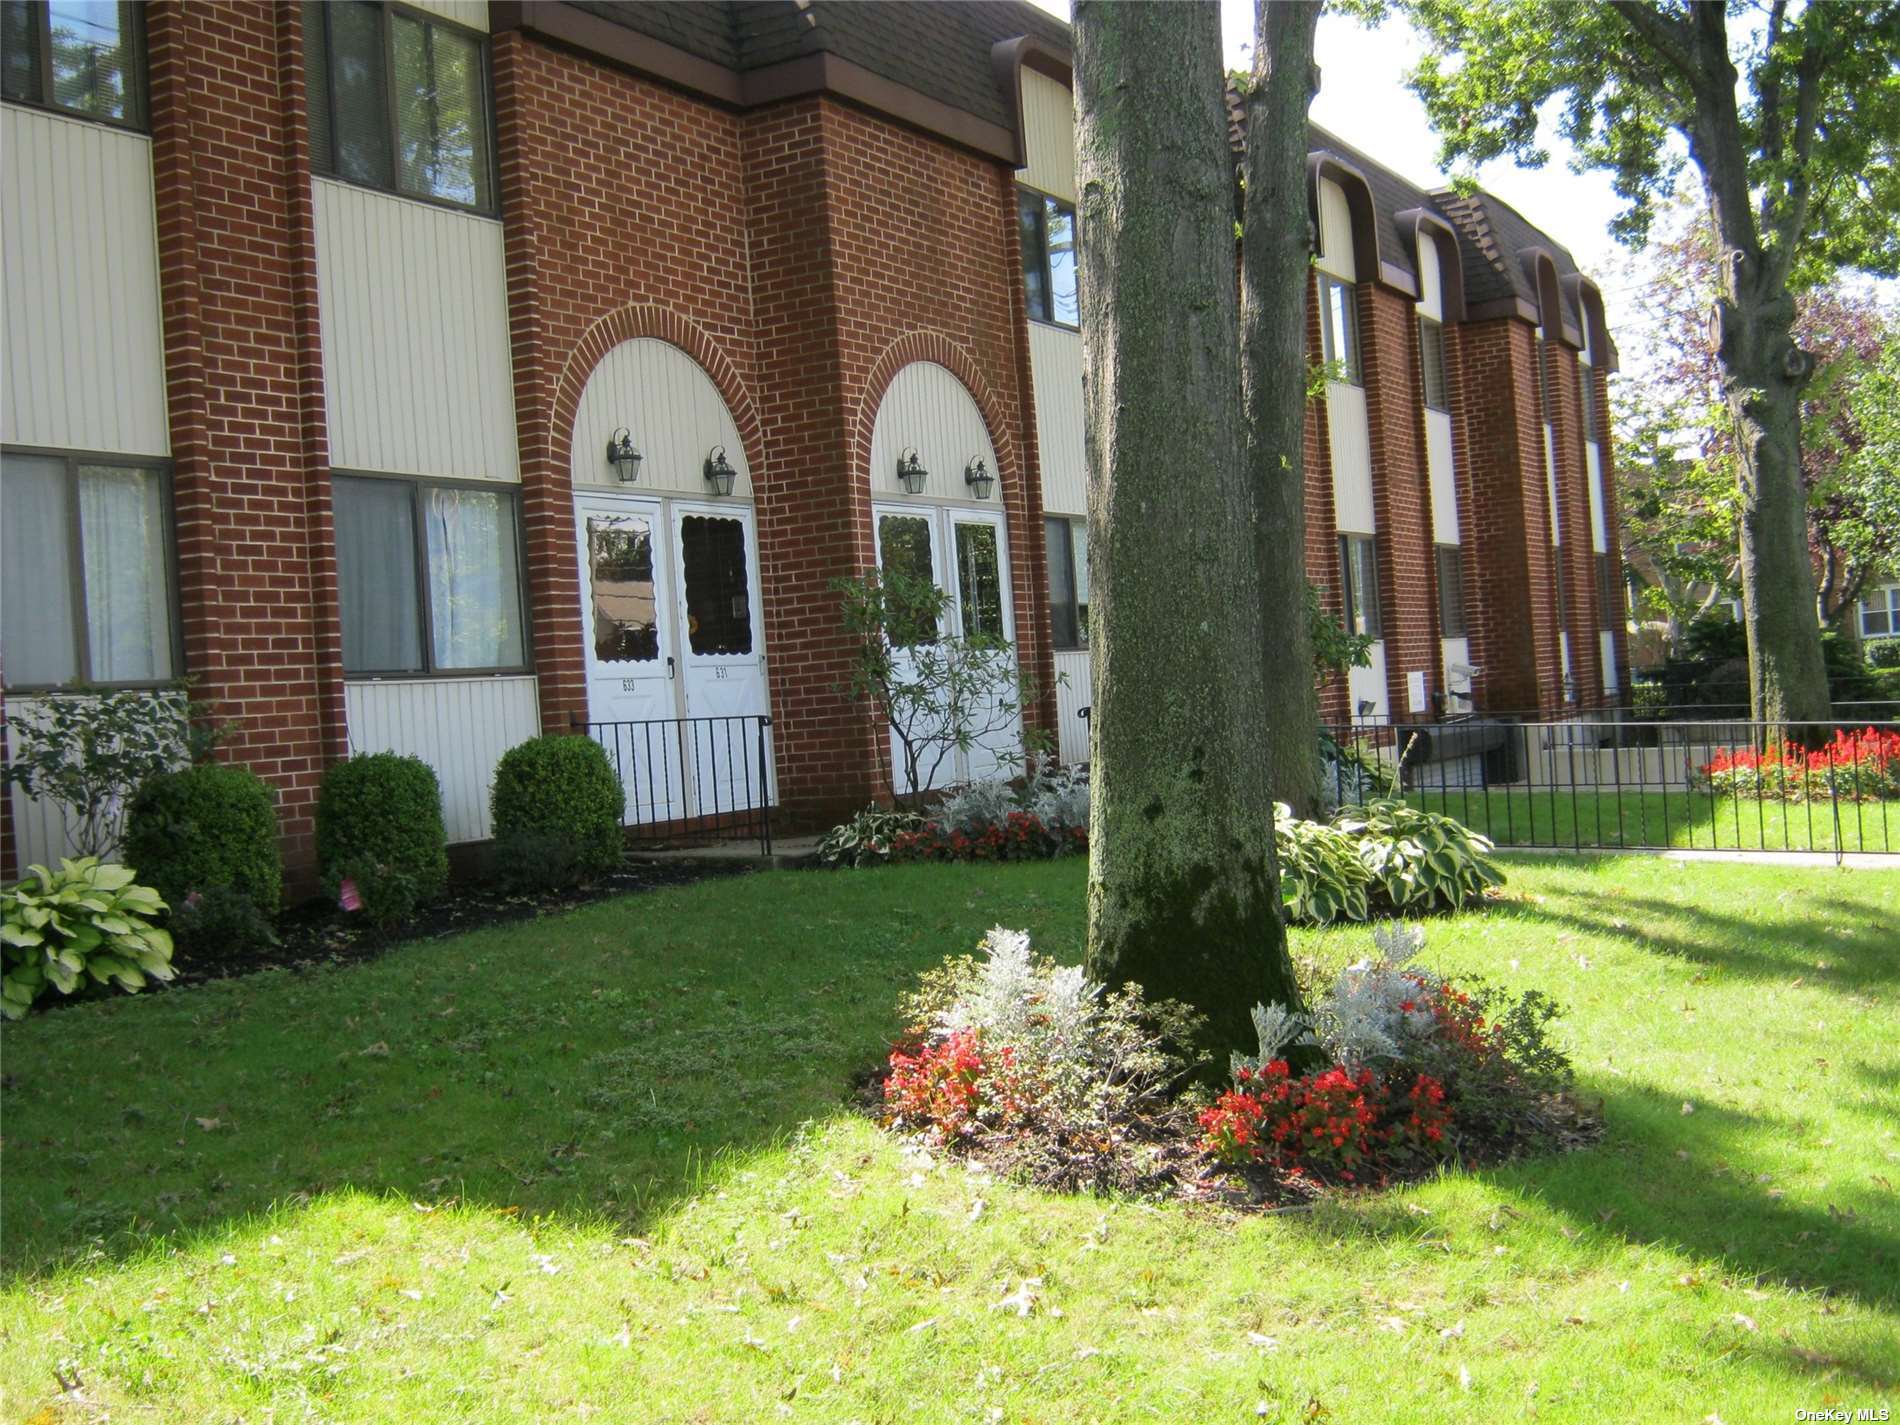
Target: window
85,572
1880,613
1451,590
1359,567
428,576
1339,329
1587,394
1068,542
1540,354
908,550
399,101
718,599
1610,590
1431,362
83,57
1048,233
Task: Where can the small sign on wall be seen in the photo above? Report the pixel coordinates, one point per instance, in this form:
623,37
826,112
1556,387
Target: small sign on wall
1415,692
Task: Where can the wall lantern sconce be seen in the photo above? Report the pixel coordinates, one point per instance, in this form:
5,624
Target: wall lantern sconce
910,470
977,476
624,456
719,471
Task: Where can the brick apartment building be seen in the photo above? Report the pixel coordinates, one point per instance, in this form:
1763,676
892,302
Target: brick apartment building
423,376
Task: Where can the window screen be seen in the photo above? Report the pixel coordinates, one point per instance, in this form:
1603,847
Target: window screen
1610,590
1359,566
979,581
1339,329
1431,352
1047,227
1587,393
376,576
83,57
1449,566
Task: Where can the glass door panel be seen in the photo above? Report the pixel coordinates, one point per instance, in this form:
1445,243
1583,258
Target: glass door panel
722,660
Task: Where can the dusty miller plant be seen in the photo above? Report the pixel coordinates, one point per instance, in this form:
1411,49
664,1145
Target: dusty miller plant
1363,1020
88,750
941,693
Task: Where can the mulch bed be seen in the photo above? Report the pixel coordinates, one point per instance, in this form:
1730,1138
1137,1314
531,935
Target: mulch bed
316,933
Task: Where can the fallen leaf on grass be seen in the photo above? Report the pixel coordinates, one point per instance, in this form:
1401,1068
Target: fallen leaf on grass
378,1050
923,1325
1394,1324
1022,1301
210,1125
1266,1343
1687,1108
1747,1323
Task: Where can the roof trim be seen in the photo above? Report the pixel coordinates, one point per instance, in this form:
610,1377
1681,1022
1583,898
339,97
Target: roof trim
1414,225
1541,268
820,73
1365,226
1008,60
1588,297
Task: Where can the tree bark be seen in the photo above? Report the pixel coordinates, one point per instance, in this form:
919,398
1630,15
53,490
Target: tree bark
1276,253
1183,890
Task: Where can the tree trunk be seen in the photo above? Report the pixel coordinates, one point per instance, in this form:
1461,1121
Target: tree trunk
1183,891
1276,259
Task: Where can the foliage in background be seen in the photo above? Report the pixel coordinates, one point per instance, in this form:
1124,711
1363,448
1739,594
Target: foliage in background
379,827
989,820
88,751
1857,766
941,693
86,924
206,838
558,806
1335,648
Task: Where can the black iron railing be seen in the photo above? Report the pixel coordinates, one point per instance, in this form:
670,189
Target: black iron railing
693,779
1714,784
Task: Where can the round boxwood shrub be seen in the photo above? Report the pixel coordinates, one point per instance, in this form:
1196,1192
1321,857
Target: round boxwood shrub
207,836
379,827
557,806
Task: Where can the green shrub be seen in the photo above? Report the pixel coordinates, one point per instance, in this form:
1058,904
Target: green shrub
1419,860
379,826
209,831
1883,653
85,924
1322,878
557,805
866,839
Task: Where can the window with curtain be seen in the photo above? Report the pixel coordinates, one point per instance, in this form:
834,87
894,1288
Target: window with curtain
1359,568
1339,329
1431,354
80,57
428,577
1049,257
1068,549
399,100
1449,566
85,573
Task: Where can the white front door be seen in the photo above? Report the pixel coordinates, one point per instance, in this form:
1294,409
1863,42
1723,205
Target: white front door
722,656
632,648
965,553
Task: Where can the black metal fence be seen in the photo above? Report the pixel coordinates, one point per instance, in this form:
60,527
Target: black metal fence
693,779
1714,784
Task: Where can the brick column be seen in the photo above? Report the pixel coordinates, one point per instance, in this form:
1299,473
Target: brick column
1400,489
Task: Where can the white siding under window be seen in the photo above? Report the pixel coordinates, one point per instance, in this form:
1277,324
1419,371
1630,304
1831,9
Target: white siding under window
1335,232
1055,362
84,350
416,366
1349,441
471,13
1072,730
459,726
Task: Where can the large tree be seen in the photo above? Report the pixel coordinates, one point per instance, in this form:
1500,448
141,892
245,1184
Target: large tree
1183,891
1792,119
1276,256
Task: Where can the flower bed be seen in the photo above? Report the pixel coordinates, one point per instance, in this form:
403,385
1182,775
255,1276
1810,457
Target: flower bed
1036,1070
1856,766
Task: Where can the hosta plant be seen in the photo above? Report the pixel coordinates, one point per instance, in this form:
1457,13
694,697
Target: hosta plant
1420,861
87,923
1322,878
866,839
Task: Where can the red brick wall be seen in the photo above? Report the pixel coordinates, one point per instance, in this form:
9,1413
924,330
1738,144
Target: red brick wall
244,385
1401,491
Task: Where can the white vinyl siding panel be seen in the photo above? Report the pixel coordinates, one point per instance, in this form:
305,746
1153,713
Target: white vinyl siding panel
1048,136
674,413
1593,465
927,407
1431,302
473,14
1335,232
417,374
1055,365
1444,484
1606,642
1072,729
459,726
84,352
1350,442
1550,487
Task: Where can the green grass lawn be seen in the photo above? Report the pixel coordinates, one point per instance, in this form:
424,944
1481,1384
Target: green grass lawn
1684,820
599,1167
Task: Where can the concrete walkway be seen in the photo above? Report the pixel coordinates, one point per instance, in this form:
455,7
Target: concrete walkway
788,853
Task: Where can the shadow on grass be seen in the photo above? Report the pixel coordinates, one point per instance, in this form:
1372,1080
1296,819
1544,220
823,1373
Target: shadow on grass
594,1063
1866,958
